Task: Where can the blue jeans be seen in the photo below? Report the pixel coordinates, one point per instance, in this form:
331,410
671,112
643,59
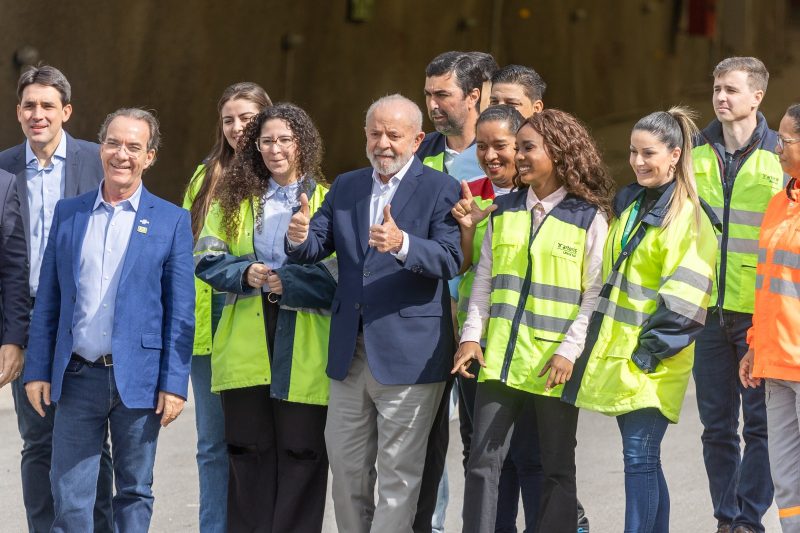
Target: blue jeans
37,439
646,493
89,407
740,483
212,452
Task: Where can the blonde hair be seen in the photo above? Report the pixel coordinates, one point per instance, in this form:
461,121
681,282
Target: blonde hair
676,129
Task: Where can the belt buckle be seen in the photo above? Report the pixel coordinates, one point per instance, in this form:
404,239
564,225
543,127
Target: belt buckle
106,360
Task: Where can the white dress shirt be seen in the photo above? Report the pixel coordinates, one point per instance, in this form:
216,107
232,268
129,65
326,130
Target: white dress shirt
382,194
591,283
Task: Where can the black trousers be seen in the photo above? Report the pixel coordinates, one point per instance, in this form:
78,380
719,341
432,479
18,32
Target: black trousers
278,463
497,407
435,462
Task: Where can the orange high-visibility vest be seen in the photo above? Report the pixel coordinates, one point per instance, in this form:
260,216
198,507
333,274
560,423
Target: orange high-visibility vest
775,335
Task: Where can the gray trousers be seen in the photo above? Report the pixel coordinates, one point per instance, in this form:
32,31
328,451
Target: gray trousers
369,422
783,438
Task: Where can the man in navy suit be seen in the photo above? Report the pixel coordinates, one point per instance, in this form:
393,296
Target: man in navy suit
49,165
14,300
391,339
112,329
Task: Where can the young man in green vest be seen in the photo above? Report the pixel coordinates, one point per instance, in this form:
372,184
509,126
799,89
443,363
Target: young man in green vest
737,172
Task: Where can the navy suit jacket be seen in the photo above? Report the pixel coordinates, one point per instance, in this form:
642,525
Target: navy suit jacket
14,293
83,172
154,312
404,307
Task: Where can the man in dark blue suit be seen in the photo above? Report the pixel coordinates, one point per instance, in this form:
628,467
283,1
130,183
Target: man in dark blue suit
112,329
49,165
14,300
391,339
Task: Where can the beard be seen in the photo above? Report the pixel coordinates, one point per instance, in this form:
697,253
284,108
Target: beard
388,167
445,124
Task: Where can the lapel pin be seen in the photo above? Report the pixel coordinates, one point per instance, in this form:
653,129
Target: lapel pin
144,221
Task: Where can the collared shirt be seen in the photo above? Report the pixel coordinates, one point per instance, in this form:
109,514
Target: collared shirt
45,188
382,194
277,205
449,155
105,244
591,283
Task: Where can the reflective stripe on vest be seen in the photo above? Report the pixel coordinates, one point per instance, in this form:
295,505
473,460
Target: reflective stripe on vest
536,287
759,178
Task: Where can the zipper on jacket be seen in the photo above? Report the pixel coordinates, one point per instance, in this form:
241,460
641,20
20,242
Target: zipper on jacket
729,170
523,296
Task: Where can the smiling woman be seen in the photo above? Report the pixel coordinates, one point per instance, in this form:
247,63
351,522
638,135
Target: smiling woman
274,391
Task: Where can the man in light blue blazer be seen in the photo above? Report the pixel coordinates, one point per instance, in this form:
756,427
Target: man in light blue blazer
48,166
112,329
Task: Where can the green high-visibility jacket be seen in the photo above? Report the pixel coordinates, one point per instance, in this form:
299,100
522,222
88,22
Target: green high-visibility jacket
640,341
536,288
240,356
738,189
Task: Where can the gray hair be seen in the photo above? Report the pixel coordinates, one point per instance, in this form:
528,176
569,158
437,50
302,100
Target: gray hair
47,76
414,114
138,114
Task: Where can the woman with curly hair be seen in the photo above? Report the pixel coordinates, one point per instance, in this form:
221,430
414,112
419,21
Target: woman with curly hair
534,289
238,104
658,267
270,349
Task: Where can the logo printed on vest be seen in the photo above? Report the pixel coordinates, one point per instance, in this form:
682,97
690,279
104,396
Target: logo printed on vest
771,179
566,250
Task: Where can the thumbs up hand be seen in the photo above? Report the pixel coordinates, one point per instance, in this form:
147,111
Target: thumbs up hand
466,211
298,224
386,237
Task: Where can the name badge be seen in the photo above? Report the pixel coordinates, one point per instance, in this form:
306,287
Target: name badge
141,229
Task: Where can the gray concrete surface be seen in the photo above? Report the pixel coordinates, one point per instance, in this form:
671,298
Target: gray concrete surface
600,475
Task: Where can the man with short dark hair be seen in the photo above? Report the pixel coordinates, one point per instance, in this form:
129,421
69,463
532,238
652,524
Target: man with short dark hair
737,173
49,165
115,251
520,87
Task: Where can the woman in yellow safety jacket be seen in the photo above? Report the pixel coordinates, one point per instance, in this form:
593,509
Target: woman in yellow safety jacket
238,104
533,291
270,348
658,265
774,339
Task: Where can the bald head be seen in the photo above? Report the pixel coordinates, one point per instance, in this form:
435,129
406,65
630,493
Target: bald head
394,132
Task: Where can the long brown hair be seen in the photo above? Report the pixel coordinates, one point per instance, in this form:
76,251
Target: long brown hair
247,177
221,155
576,159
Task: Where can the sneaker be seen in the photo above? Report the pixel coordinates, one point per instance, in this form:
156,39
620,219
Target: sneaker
724,528
583,530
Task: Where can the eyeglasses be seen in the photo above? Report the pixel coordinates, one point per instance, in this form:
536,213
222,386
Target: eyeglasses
263,144
113,146
783,142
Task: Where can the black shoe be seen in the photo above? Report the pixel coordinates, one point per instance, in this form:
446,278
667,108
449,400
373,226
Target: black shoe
743,529
724,528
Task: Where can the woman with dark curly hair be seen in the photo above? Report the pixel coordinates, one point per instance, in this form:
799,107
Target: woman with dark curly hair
535,287
238,104
270,349
658,266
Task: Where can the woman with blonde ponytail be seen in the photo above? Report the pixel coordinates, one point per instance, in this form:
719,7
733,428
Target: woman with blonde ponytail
658,266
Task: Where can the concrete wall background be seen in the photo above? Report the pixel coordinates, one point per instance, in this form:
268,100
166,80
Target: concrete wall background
604,60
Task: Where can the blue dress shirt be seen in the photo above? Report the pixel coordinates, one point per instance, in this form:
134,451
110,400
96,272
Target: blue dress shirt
102,256
278,203
45,188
